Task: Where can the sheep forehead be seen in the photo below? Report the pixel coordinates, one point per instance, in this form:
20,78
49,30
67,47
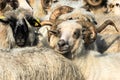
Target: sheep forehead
69,25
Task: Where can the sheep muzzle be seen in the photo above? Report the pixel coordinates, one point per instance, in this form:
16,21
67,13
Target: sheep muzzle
63,47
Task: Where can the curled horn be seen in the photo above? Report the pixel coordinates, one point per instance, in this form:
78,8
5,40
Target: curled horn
94,2
59,11
89,32
105,24
46,22
55,14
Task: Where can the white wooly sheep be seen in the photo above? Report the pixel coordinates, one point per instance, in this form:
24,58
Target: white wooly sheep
32,63
68,41
113,6
70,10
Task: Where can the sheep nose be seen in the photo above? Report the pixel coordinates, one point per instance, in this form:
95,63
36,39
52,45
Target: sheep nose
61,43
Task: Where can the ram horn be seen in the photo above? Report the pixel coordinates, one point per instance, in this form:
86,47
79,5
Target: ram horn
89,32
105,24
59,11
46,22
94,2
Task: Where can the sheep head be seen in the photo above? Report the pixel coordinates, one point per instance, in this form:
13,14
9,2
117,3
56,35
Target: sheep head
69,36
22,27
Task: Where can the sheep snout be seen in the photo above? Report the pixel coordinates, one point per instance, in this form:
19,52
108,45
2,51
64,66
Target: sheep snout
63,46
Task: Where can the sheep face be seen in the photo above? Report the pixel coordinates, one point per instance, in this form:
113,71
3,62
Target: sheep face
21,33
114,7
67,37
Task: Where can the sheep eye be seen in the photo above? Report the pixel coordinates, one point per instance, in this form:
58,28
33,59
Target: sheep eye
111,5
76,34
117,4
55,33
55,1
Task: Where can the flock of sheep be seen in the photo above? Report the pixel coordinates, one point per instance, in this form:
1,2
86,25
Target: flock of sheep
59,40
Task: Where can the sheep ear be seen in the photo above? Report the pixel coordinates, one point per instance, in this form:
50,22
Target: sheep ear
34,22
37,23
51,32
4,20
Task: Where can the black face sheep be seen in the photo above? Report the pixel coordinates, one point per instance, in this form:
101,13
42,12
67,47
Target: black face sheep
22,27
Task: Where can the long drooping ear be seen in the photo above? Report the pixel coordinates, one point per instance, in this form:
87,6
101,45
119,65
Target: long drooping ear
46,4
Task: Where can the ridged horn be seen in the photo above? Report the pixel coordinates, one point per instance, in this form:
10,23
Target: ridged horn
89,32
94,2
46,22
59,11
105,24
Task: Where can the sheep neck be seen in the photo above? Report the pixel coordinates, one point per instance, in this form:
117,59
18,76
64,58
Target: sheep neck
84,60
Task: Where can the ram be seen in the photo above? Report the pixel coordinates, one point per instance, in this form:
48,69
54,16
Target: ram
33,63
68,39
69,13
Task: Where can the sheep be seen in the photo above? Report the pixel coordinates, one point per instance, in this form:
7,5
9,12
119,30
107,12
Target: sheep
73,11
34,63
22,28
68,39
111,44
67,13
